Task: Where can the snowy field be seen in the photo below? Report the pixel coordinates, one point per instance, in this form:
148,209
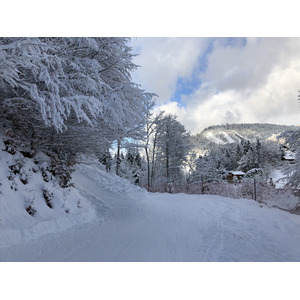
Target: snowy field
132,225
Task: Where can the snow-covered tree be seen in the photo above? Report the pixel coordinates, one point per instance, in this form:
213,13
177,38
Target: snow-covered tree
150,125
209,167
249,160
292,137
58,91
33,79
132,166
292,171
172,147
265,155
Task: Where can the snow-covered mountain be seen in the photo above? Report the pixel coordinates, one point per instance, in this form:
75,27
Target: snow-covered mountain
230,133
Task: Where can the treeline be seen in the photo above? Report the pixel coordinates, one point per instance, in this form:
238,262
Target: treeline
157,160
251,131
228,133
174,162
244,156
170,159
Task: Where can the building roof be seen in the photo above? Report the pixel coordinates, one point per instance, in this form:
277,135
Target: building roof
237,173
289,155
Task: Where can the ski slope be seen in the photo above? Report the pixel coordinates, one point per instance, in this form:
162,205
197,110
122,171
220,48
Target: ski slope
132,225
214,138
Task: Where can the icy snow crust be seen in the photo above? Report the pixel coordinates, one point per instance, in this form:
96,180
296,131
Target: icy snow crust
132,225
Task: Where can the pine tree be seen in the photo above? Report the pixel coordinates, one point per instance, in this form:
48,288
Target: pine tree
258,153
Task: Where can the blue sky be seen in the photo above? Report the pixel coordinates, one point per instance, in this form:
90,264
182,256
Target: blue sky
188,85
208,81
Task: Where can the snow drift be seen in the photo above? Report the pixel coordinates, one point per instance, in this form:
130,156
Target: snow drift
32,205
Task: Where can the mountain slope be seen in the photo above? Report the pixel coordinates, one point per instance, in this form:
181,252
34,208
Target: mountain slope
230,133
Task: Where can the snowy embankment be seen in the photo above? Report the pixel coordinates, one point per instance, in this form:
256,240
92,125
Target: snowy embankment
132,225
32,204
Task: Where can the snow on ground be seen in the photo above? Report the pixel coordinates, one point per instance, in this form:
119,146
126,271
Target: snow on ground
69,208
278,178
238,135
213,138
228,138
132,225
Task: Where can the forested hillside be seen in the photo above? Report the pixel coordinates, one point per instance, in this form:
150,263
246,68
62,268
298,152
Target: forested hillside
256,150
235,133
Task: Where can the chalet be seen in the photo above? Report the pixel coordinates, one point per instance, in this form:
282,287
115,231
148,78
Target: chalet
231,175
289,156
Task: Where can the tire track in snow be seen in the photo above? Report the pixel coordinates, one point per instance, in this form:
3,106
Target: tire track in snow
212,252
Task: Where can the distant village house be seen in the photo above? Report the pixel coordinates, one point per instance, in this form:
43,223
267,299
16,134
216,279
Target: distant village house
289,156
231,175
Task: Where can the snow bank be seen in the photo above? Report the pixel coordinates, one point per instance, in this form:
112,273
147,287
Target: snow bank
22,191
92,171
70,206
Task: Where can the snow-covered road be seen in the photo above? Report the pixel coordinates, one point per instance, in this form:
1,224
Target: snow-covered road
135,226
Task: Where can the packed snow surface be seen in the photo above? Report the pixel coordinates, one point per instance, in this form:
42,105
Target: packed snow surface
132,225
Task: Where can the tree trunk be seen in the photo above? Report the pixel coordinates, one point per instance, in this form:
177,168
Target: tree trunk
167,162
118,158
148,169
147,154
153,158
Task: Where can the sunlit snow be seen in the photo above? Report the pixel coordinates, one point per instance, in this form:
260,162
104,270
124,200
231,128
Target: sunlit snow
132,225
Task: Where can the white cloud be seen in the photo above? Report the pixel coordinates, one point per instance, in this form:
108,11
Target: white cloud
254,82
164,61
247,67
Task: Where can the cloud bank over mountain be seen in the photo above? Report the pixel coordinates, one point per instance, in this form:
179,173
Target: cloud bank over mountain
207,81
